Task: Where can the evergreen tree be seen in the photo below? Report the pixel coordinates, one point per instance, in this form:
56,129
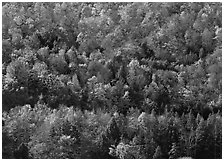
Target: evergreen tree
158,153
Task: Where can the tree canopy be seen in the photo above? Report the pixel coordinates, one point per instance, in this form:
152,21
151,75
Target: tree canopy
96,59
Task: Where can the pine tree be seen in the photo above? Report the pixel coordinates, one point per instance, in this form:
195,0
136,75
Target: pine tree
158,153
174,151
202,141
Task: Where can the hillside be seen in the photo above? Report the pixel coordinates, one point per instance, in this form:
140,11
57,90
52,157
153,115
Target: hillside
112,80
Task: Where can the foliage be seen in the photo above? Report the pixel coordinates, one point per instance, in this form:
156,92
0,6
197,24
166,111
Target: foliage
112,80
70,133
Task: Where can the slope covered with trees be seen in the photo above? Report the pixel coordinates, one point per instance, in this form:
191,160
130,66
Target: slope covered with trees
112,80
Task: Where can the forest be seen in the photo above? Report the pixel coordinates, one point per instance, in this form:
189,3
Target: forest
111,80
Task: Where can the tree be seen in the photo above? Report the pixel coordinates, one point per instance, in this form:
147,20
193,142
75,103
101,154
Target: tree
158,153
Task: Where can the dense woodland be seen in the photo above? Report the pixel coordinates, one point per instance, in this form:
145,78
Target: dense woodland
111,80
